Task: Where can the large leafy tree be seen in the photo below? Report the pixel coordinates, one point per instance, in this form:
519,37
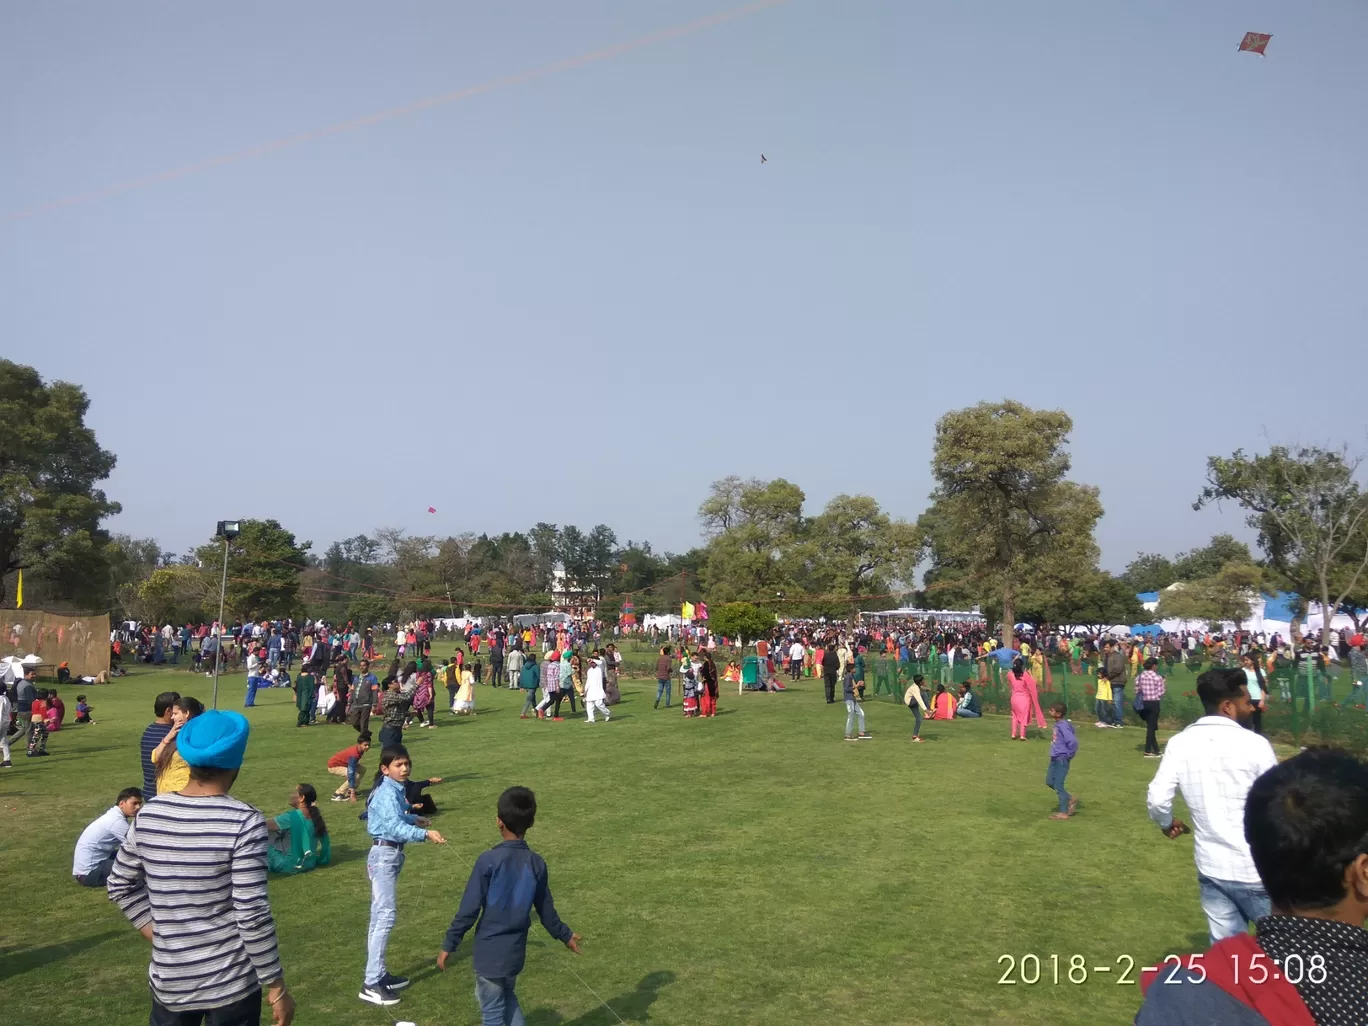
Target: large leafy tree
753,528
1310,512
853,549
1150,571
1003,517
264,565
738,620
50,507
1097,600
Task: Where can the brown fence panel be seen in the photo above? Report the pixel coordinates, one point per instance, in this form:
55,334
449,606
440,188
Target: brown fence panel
82,642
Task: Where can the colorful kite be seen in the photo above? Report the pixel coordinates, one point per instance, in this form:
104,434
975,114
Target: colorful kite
432,509
628,615
1256,42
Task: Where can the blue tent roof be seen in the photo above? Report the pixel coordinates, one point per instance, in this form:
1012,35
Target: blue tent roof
1149,629
1147,596
1282,606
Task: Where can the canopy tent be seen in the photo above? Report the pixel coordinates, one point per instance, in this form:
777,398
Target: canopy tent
540,619
662,621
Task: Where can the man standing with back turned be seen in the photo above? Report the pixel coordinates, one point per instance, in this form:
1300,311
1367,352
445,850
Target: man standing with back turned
1214,762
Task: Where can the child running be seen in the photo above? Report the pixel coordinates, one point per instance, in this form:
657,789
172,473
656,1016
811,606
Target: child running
506,883
347,763
1063,747
912,698
391,826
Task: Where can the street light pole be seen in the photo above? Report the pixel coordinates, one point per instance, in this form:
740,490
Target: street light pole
227,530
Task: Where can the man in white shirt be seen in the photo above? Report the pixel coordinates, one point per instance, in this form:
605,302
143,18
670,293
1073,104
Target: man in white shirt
99,842
796,653
1214,762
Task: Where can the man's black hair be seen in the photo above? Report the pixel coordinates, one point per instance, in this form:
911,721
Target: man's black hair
127,793
164,703
518,809
1305,821
1219,685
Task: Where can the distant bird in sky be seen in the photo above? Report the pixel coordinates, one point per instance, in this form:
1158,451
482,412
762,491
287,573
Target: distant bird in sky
762,158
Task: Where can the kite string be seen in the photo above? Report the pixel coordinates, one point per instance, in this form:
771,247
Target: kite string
571,968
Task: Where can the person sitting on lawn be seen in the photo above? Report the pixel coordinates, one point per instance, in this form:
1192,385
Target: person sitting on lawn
1306,822
299,837
942,705
968,707
98,846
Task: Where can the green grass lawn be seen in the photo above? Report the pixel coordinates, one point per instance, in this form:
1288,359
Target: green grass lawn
753,868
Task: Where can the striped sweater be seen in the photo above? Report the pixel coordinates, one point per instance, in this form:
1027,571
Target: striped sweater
195,868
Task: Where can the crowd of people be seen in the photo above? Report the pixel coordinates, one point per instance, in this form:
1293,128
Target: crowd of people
1246,811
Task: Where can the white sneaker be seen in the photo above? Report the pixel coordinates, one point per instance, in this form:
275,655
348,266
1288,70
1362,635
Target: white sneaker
1100,725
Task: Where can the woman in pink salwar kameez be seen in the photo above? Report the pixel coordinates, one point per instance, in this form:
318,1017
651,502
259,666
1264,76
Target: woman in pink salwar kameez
1025,699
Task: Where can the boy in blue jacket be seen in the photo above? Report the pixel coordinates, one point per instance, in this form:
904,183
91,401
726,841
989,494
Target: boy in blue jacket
1063,747
506,883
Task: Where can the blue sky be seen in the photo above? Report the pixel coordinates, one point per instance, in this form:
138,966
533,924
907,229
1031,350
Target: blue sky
1099,206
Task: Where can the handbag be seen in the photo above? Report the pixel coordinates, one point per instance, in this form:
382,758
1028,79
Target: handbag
1138,703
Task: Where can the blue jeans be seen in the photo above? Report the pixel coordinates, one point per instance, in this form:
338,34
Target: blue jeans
498,1003
968,714
1054,778
1230,907
1355,696
382,866
663,688
252,684
1119,700
916,711
854,709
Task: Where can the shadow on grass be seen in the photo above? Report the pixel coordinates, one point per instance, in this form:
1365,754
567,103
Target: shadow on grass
427,968
15,961
634,1006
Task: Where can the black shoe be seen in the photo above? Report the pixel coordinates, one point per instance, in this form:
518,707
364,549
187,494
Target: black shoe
6,764
378,995
391,982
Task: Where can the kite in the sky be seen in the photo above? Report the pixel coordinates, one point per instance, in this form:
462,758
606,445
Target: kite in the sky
1256,42
432,509
762,158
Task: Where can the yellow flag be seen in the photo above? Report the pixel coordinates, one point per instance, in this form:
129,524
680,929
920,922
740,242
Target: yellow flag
19,592
688,611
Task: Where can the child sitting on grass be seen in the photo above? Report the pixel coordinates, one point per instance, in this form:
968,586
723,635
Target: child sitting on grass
1063,747
82,710
506,884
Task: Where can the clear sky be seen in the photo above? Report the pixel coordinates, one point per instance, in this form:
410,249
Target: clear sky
1089,204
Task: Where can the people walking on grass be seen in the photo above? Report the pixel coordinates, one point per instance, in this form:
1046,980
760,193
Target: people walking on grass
689,686
506,884
464,704
347,764
550,683
593,689
830,669
916,702
172,771
571,683
299,837
513,665
99,842
391,826
191,876
1214,762
394,705
853,708
1150,686
1025,699
664,673
529,677
1063,748
1256,686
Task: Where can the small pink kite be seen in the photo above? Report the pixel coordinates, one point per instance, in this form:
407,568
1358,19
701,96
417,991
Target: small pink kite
432,509
1256,42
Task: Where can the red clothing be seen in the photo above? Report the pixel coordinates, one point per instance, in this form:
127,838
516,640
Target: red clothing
340,760
1273,998
762,648
60,706
39,709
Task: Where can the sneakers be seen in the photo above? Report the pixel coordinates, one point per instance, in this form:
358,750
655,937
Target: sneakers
391,982
6,764
557,719
865,736
1153,755
1100,725
338,798
1118,726
523,716
378,995
920,741
851,737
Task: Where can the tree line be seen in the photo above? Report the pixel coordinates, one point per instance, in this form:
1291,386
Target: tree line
1006,529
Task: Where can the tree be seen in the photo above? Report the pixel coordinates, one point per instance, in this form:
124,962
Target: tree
754,528
1149,571
50,462
370,610
1311,515
1098,600
1003,517
739,620
264,564
171,594
1225,595
1211,558
854,548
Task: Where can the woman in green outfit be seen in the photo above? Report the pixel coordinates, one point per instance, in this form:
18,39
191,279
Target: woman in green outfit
299,837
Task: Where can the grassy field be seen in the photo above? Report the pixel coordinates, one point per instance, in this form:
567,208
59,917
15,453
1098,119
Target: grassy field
753,868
